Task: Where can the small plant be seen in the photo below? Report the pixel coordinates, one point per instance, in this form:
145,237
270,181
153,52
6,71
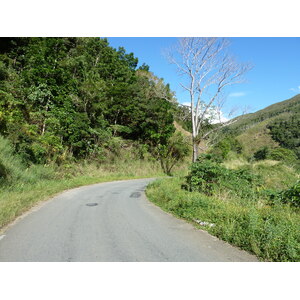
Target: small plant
223,147
291,195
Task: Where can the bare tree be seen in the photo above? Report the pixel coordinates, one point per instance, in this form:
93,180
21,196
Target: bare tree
208,69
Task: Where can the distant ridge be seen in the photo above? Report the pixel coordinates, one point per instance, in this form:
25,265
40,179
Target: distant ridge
251,130
279,109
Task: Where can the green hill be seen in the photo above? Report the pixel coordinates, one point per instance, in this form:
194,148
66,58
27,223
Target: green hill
278,110
277,125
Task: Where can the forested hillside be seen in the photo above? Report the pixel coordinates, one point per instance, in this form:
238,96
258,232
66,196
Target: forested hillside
76,98
276,126
283,108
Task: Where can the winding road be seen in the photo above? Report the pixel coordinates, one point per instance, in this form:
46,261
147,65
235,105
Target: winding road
111,222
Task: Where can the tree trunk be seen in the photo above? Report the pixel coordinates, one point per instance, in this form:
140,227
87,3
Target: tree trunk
195,150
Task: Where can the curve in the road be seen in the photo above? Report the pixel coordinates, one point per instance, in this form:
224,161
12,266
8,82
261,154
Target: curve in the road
110,221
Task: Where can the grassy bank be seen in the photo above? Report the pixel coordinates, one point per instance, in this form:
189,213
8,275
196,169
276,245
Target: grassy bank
269,231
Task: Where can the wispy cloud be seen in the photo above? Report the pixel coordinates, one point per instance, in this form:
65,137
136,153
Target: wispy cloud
186,103
237,94
295,90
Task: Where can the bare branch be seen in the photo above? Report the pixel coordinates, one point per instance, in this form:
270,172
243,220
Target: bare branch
209,70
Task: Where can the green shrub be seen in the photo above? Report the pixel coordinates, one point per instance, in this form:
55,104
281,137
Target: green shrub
170,154
207,176
11,166
291,195
223,147
261,153
3,171
282,154
214,157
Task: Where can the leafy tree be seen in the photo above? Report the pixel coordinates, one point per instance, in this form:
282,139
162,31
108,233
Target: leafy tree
173,152
66,98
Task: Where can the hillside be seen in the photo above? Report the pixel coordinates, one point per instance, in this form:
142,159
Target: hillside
269,127
278,110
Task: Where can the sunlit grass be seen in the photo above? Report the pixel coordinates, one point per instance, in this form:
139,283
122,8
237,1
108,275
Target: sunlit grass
269,231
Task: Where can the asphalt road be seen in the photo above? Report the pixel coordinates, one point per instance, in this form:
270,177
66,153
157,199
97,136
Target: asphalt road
109,222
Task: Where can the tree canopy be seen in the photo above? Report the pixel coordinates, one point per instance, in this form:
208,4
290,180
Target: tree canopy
67,97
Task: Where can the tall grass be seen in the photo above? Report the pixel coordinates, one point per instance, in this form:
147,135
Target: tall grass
269,230
272,233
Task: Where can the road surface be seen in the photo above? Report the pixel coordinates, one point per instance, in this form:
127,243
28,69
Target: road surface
110,221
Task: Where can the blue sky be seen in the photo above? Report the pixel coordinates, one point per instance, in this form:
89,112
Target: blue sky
275,75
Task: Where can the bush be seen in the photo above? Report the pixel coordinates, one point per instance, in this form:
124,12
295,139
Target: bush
282,154
214,157
176,149
223,147
207,176
11,167
262,153
291,195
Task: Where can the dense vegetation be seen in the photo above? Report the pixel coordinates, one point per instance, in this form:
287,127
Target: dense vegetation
286,132
64,99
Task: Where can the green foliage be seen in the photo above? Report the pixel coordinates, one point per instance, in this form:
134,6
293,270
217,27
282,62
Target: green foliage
225,145
286,132
289,196
262,153
13,171
211,156
280,154
173,152
207,176
64,98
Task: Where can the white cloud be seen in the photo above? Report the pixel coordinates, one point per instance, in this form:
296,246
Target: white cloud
295,90
217,119
212,114
186,104
237,94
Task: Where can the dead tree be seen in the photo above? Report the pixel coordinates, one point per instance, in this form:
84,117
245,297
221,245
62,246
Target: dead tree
207,69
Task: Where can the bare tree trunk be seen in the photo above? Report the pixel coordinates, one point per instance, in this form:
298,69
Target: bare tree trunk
195,150
208,70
